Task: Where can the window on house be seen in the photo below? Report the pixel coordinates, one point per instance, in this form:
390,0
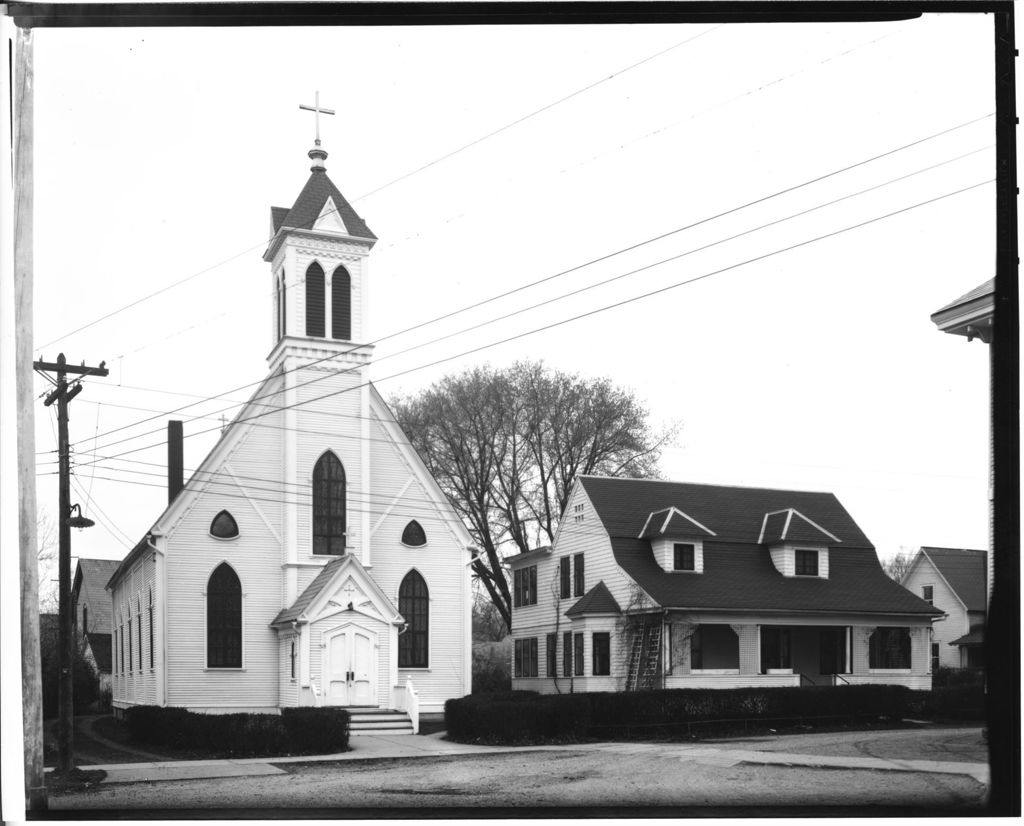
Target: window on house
131,661
683,557
292,658
577,579
151,646
316,324
224,526
577,649
414,606
526,657
928,593
806,563
224,619
138,617
414,535
564,577
889,648
602,653
933,663
329,506
551,654
524,582
567,654
341,304
775,648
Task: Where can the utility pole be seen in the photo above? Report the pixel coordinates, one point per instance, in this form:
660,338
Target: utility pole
62,394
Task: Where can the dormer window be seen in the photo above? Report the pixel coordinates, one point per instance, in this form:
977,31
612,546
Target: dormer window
806,562
683,556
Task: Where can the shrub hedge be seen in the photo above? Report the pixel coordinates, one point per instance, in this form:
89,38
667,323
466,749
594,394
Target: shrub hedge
294,731
955,702
524,717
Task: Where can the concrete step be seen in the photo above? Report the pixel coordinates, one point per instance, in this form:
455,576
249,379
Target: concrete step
378,721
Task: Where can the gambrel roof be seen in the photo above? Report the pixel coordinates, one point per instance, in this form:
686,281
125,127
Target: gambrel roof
598,600
964,570
739,574
91,577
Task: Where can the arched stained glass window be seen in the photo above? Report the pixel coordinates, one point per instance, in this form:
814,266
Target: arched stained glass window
413,535
341,304
224,526
414,606
316,323
224,619
329,506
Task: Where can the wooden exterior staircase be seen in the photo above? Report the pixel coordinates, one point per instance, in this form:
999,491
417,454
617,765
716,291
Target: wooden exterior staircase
644,657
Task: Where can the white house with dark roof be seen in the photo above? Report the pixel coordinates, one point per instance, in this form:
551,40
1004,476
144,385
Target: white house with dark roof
676,585
311,559
954,581
90,611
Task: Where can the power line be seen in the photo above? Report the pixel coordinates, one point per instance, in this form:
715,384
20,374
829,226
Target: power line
378,189
599,309
562,273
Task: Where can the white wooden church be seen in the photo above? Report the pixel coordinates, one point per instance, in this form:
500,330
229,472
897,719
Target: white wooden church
311,559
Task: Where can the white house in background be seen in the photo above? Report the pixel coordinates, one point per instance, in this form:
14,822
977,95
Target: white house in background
954,581
678,585
90,611
311,559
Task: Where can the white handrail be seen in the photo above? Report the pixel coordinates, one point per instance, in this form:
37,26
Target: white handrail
412,705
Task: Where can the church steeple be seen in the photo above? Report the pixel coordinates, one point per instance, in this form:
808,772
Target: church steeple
318,254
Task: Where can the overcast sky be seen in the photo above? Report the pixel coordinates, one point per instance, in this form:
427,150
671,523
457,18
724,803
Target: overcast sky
160,152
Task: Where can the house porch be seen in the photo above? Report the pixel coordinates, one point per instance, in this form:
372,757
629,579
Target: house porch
747,654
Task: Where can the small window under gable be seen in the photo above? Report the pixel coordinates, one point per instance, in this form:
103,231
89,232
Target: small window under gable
224,526
414,536
798,545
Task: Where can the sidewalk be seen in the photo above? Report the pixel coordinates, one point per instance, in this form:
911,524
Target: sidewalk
405,746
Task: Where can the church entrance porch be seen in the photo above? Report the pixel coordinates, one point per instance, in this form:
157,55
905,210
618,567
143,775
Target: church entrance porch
350,666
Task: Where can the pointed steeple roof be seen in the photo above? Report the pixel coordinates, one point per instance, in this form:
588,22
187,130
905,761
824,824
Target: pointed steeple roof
310,204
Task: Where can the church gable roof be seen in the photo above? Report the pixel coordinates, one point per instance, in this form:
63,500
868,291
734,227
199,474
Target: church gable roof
318,592
309,206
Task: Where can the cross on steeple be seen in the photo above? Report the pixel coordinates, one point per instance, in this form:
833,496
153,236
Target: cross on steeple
316,108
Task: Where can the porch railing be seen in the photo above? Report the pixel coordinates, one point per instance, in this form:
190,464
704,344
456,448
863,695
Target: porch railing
805,677
407,700
838,678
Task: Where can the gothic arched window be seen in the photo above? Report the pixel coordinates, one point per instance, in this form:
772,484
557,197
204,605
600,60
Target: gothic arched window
414,606
341,304
413,535
224,619
224,526
329,506
85,620
316,324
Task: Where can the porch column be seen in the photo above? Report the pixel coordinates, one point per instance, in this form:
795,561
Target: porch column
750,648
861,640
919,653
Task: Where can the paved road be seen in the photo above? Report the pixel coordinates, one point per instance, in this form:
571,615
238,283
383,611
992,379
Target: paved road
672,778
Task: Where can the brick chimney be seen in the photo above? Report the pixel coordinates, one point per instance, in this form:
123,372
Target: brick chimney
175,460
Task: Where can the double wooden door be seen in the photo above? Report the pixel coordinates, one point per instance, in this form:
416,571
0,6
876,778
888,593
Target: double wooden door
351,666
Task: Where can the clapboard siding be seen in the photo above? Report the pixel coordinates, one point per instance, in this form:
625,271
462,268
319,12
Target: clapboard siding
946,629
255,555
399,496
135,686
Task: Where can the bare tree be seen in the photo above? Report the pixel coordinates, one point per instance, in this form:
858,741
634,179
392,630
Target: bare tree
488,624
46,560
897,566
506,445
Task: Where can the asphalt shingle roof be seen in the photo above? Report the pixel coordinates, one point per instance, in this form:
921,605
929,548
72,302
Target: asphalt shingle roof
598,600
310,202
965,570
975,637
670,522
986,288
94,574
738,571
792,526
100,645
294,611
